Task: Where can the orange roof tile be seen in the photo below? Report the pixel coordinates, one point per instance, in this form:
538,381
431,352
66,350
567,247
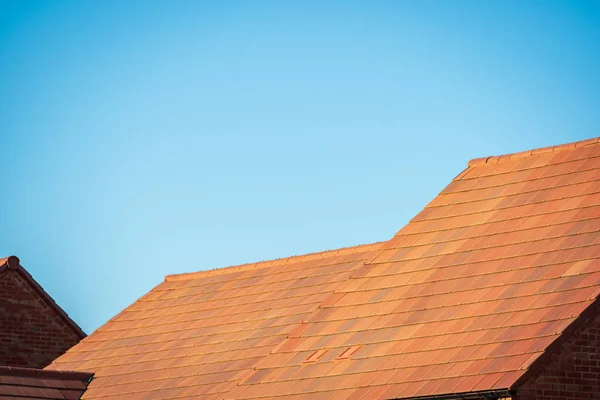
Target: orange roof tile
471,295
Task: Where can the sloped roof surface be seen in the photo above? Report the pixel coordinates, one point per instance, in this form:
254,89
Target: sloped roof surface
26,383
467,297
200,334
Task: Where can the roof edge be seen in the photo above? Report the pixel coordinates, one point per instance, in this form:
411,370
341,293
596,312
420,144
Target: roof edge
45,373
13,262
481,394
511,156
10,262
275,262
537,366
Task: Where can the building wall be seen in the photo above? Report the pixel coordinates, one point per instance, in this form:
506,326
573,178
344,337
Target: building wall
32,334
572,374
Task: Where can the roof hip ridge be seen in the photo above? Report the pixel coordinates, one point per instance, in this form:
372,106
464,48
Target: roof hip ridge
522,154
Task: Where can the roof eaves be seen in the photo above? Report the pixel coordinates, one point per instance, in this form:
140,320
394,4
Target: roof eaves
13,262
482,394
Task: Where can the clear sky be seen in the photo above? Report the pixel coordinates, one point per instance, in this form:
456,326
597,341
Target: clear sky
145,138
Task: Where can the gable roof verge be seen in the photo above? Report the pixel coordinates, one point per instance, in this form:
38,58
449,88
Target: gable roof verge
13,262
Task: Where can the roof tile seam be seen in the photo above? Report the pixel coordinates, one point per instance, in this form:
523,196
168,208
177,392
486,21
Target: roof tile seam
467,262
307,304
505,325
98,380
194,336
182,296
151,390
332,348
184,356
361,330
523,154
577,170
487,222
543,323
220,308
222,325
508,207
332,363
261,330
187,347
424,378
470,290
236,297
242,340
489,235
520,193
548,307
99,384
562,211
470,276
501,233
406,339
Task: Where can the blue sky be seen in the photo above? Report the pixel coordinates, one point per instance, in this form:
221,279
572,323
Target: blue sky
145,138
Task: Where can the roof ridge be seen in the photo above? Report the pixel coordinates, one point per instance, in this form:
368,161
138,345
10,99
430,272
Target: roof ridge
271,263
511,156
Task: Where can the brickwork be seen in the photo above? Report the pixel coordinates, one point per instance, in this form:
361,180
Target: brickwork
572,374
32,333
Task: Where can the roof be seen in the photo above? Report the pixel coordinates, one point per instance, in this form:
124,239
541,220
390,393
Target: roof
471,296
26,383
13,263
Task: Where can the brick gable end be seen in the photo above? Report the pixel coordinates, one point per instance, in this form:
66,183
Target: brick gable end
32,334
572,374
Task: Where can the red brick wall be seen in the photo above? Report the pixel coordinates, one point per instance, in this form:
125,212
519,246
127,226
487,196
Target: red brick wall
32,334
574,373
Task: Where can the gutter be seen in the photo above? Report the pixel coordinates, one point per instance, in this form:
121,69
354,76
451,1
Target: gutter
480,395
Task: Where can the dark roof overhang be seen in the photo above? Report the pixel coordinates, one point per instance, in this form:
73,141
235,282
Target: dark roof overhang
479,395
